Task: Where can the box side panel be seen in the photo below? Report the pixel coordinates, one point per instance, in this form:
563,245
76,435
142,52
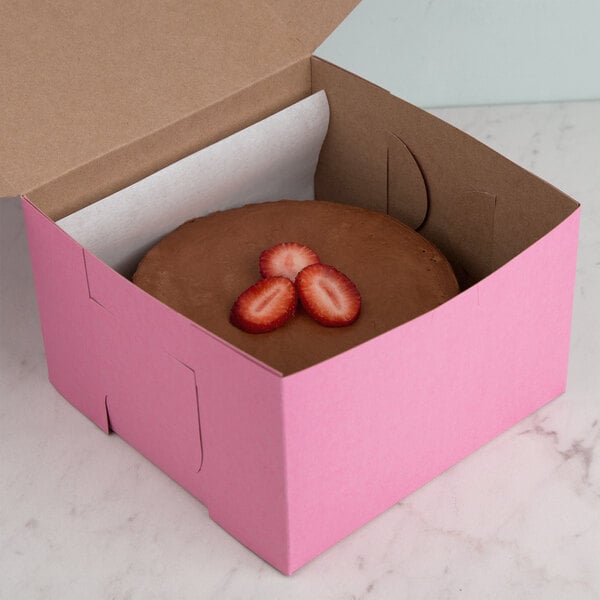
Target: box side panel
237,467
205,414
482,209
370,426
100,365
244,461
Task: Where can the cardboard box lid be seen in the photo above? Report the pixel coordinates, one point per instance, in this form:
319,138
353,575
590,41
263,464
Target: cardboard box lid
457,52
80,79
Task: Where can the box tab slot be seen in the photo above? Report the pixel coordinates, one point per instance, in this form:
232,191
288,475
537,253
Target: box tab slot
407,197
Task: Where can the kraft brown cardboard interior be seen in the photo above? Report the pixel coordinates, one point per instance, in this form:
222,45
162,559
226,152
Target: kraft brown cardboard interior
482,209
99,94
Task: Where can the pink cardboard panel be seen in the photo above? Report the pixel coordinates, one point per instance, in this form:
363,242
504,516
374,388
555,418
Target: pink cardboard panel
103,367
368,427
62,294
203,412
239,410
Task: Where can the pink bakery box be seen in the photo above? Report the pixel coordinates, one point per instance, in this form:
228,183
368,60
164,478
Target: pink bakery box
289,465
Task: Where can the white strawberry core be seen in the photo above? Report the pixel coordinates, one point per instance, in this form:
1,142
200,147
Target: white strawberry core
290,263
263,303
331,294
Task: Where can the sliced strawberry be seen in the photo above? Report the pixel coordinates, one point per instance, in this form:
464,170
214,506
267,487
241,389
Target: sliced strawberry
265,306
328,296
286,260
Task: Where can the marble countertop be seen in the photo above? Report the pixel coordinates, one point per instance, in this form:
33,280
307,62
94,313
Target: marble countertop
82,515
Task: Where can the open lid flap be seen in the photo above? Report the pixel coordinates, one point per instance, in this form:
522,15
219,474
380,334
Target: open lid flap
80,79
461,52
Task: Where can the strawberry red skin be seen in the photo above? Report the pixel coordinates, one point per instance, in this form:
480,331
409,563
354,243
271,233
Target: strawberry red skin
286,260
328,295
265,306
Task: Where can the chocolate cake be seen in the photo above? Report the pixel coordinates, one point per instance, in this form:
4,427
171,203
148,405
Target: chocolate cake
201,268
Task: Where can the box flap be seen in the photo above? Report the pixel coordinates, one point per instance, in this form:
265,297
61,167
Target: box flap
82,79
455,52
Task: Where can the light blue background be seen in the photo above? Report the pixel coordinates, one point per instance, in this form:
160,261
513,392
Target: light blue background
459,52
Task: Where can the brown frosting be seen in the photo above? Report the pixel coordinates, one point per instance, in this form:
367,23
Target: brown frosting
204,265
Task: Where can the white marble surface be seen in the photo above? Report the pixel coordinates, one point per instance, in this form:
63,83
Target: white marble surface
82,515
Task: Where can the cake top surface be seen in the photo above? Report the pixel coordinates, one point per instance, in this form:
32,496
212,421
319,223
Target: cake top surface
205,264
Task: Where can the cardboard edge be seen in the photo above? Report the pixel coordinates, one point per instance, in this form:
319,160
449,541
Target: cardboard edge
576,215
230,346
288,567
25,198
